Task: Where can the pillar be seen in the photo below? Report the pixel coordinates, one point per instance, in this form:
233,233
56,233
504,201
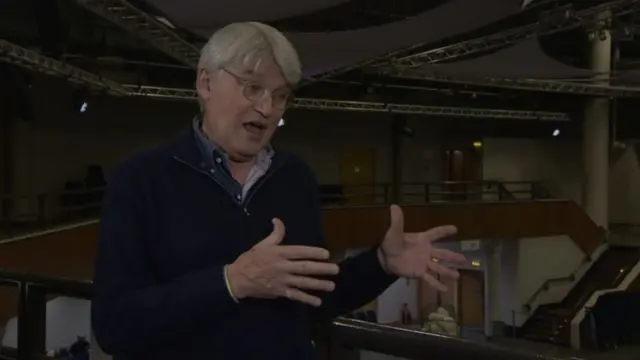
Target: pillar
596,134
493,326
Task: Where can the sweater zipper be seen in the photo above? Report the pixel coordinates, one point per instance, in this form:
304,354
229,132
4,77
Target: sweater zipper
253,190
203,172
257,186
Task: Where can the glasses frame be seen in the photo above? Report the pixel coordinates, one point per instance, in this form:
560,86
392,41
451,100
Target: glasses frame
244,84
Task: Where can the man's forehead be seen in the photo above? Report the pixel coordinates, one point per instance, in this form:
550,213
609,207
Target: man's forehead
266,71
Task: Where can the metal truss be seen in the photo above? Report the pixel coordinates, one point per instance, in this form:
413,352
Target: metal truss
551,86
146,27
325,104
590,17
34,61
587,17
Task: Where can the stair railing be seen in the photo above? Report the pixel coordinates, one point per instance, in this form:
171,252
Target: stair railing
563,279
545,286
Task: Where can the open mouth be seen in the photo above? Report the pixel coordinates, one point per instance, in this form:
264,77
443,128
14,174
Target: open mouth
255,127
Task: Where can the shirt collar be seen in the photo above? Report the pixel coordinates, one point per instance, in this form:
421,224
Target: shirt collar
210,151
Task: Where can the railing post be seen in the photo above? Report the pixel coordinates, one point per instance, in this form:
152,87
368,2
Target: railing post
427,194
42,209
32,309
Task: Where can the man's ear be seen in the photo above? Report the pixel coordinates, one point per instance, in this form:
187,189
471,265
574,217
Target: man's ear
203,84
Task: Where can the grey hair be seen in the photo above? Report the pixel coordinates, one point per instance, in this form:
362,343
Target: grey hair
245,44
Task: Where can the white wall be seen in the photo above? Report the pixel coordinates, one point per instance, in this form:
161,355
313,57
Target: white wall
557,163
624,180
67,318
554,161
544,258
390,302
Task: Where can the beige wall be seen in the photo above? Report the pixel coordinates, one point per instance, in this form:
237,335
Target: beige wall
60,143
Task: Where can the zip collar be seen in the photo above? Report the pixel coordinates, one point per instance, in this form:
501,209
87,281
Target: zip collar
185,148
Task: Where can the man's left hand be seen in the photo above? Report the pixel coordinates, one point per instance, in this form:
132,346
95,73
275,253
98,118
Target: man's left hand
413,255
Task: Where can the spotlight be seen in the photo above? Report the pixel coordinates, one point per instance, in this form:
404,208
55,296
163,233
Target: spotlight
281,122
556,132
80,101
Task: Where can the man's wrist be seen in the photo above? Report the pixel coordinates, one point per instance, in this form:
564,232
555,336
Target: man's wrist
382,259
234,282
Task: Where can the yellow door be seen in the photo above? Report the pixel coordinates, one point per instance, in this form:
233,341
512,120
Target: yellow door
471,298
358,176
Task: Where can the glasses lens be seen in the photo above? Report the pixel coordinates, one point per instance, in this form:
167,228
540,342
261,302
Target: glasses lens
253,91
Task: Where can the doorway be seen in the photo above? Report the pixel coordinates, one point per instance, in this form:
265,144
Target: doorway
471,306
358,176
462,167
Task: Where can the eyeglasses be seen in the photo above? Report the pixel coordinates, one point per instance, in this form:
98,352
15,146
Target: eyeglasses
281,99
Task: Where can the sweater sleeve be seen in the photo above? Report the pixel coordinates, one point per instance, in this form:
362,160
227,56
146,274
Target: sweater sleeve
131,310
361,279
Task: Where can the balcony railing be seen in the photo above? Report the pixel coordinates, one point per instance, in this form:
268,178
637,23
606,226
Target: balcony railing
19,214
333,341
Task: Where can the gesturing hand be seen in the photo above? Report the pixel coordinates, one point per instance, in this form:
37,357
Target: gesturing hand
413,255
270,270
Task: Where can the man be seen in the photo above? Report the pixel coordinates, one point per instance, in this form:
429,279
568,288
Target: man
211,247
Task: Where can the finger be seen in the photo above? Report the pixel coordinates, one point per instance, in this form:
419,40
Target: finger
397,219
434,283
276,235
443,270
448,255
297,295
309,283
311,268
294,252
439,233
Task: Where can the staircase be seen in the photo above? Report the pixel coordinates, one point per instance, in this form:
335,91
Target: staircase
552,322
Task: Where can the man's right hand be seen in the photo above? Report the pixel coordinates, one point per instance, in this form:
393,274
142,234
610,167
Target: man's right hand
270,270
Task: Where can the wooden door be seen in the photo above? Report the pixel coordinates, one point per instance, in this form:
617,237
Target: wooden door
471,298
358,176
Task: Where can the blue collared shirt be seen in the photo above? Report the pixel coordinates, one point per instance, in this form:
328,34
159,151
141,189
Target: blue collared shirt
217,163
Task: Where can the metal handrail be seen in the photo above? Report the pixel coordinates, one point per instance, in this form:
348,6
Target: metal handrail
358,334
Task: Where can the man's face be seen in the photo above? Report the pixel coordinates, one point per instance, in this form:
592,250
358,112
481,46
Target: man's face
242,108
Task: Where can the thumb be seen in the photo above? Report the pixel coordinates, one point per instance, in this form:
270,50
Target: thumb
397,219
276,235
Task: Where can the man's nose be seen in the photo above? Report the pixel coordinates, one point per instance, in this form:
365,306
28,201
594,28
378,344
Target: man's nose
264,105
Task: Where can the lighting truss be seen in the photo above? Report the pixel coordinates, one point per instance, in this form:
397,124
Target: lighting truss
587,17
146,27
325,104
551,86
590,17
34,61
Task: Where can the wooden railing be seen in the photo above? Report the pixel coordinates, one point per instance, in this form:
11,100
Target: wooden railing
344,227
25,214
332,340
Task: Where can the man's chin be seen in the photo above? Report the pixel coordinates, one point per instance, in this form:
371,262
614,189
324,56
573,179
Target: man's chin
244,155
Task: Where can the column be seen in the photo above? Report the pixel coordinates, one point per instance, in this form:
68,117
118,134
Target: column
494,328
596,134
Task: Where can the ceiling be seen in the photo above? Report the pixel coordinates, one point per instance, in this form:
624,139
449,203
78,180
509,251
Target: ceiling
345,46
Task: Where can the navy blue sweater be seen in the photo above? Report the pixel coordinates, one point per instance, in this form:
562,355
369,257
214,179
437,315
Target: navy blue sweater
168,229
